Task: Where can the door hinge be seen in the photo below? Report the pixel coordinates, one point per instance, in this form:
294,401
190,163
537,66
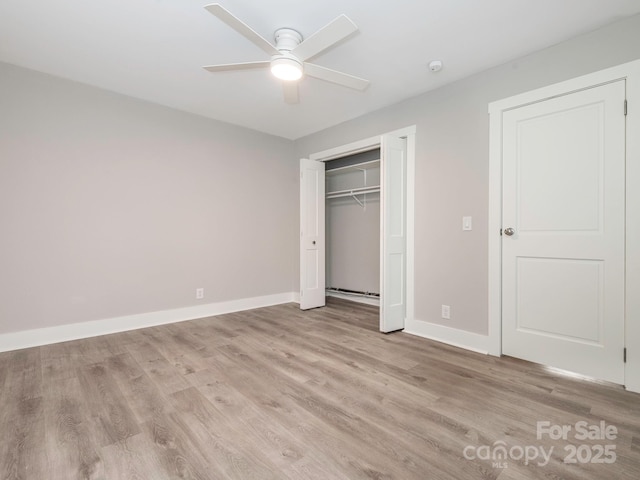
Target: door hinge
624,355
625,107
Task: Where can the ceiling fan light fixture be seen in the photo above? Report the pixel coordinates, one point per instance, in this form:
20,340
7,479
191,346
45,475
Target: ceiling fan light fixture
289,54
286,68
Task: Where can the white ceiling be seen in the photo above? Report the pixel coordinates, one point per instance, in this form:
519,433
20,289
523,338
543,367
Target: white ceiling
154,49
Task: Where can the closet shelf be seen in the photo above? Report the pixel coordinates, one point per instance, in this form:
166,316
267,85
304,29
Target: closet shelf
370,165
352,192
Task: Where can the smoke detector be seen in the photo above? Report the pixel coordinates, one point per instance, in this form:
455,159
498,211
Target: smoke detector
435,66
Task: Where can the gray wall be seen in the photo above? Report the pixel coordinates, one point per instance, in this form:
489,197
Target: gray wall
452,160
353,244
112,206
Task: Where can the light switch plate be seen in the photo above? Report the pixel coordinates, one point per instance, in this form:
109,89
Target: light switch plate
466,223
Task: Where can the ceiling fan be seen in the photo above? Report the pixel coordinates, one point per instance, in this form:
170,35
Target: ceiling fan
290,53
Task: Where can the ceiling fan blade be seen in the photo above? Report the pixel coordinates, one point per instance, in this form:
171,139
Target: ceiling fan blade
240,27
324,38
236,66
290,90
334,76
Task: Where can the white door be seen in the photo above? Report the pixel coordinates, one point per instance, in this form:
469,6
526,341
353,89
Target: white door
312,237
393,158
564,224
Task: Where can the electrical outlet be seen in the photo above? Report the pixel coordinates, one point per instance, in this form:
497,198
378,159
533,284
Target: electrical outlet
446,312
199,293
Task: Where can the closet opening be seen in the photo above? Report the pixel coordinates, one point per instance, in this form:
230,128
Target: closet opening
352,223
366,184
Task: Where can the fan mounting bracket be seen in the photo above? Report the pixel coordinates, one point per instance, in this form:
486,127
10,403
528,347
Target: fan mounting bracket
287,39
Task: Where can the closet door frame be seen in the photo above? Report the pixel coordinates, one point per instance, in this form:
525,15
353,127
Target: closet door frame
409,134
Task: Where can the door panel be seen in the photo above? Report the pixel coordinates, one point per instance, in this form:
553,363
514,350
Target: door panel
312,234
563,152
563,268
577,314
393,234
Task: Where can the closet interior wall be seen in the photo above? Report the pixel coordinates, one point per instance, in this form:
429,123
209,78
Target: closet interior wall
353,224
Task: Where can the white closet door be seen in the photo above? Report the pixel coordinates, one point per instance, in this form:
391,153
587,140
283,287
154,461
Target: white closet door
393,243
312,234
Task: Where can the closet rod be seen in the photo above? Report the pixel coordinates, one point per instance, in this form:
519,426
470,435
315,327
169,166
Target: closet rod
353,192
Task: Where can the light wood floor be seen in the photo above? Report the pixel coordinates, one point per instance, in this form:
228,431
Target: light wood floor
277,393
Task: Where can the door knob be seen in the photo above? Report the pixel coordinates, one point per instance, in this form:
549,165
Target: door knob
509,231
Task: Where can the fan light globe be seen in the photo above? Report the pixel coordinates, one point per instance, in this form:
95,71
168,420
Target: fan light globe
287,69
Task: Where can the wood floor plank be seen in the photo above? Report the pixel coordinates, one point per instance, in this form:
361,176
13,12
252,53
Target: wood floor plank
142,394
226,437
22,455
166,376
181,349
134,458
111,417
178,450
72,449
22,452
57,363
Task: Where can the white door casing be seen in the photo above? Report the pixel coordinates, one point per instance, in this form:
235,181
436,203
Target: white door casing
312,234
564,197
393,241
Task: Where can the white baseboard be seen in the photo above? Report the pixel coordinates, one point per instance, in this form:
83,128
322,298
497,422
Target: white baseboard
450,336
75,331
632,387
